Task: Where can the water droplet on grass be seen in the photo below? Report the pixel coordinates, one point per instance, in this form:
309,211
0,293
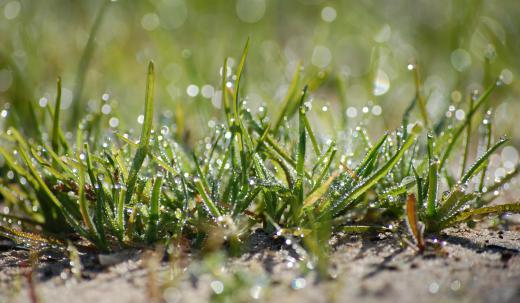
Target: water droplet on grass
298,283
217,286
381,83
255,292
351,112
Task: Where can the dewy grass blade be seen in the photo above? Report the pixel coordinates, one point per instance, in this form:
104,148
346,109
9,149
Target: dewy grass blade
433,178
202,176
458,131
330,156
300,160
467,142
153,218
433,185
142,149
240,71
40,186
291,92
225,100
506,179
210,205
97,183
56,119
237,121
482,160
420,98
83,206
370,158
312,136
465,215
320,190
489,136
86,57
13,164
450,201
349,198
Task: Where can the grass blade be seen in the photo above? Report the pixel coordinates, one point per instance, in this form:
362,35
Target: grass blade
291,92
153,218
349,198
482,160
458,131
466,215
208,203
56,119
86,57
144,140
300,159
420,98
433,185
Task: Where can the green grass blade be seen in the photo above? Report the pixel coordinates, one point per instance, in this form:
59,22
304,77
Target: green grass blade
370,158
240,70
319,191
291,92
314,142
498,184
86,57
13,164
458,131
467,142
144,140
83,206
349,198
330,156
300,159
489,135
482,160
56,119
202,176
420,98
153,218
225,100
208,203
432,180
449,202
148,105
341,84
466,215
433,185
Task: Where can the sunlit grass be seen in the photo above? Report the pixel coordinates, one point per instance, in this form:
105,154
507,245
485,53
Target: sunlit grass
248,173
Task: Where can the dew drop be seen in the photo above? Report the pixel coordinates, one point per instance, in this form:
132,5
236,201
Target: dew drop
298,283
381,83
217,286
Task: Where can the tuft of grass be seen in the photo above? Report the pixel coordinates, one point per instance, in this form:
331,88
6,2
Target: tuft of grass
118,191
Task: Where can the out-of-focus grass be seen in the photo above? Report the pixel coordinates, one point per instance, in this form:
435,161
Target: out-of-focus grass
460,45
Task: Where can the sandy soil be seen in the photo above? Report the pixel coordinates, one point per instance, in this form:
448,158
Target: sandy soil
473,265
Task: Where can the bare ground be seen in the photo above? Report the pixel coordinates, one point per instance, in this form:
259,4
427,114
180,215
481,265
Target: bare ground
473,265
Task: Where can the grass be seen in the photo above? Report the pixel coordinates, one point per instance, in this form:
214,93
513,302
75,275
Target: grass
273,172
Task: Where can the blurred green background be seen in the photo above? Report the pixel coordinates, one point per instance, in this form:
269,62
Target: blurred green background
364,46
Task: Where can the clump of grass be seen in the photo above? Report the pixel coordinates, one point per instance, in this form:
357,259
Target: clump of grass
121,192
